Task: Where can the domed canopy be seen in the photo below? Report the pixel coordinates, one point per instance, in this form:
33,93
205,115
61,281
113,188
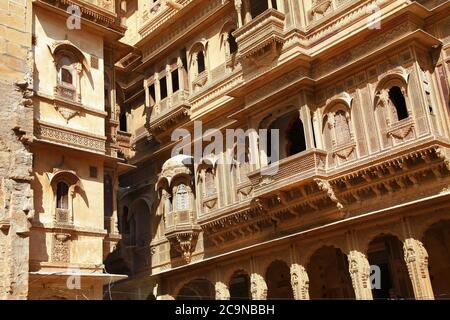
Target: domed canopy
178,161
178,165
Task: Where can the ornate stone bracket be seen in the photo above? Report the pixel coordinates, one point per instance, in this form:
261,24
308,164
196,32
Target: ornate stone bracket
326,187
185,242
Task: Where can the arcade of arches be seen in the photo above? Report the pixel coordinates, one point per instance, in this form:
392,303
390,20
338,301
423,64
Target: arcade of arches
408,269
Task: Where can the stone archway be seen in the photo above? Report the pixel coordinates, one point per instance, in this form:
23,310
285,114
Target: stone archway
278,279
329,277
239,286
197,289
386,253
437,243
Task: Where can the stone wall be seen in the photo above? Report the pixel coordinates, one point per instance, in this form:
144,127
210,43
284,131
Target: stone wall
16,127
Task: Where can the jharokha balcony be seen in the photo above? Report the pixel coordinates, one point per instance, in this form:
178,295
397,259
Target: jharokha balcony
168,113
262,35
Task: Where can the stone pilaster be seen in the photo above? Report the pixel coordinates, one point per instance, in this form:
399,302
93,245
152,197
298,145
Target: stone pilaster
359,269
258,287
299,282
416,258
222,292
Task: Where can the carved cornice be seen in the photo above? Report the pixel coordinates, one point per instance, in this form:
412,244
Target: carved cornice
102,12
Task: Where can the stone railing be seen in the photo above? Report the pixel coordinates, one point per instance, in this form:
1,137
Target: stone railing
289,171
258,33
171,103
71,137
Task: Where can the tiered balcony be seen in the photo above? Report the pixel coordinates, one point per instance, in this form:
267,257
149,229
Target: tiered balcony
169,112
265,30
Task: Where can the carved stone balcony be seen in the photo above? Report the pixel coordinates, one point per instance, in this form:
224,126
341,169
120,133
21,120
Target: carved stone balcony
289,171
182,232
168,113
262,37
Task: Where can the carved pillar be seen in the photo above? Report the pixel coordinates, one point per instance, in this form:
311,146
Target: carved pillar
269,4
79,69
416,258
359,269
169,80
238,6
222,292
253,147
299,282
258,287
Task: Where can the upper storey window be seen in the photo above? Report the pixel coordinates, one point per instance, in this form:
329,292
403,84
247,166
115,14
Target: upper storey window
66,71
200,62
62,195
398,102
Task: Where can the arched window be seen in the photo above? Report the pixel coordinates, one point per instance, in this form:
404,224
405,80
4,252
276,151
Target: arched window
182,198
398,101
200,62
62,195
66,71
342,128
295,137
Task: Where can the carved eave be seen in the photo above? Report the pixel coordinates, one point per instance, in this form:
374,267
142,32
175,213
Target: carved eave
396,175
161,126
266,30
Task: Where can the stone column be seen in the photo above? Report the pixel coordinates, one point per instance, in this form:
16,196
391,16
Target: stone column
359,269
222,292
258,287
238,6
416,258
299,282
